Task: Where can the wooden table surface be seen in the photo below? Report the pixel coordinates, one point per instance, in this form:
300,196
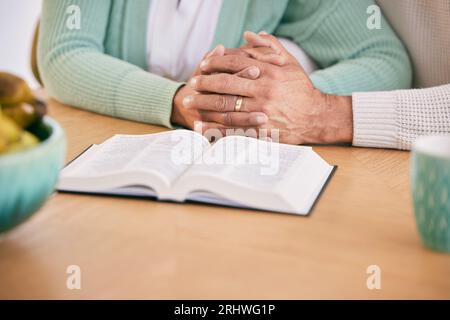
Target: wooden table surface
129,248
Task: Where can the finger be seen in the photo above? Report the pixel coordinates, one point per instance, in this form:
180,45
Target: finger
249,73
269,41
228,64
256,40
225,84
261,50
272,58
263,39
235,52
220,50
246,46
214,131
219,103
228,52
208,128
275,44
235,119
217,51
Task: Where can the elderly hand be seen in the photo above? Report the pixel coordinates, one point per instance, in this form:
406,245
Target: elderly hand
180,115
266,48
283,92
186,117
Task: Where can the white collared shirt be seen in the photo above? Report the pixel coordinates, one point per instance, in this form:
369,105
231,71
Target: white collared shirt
181,32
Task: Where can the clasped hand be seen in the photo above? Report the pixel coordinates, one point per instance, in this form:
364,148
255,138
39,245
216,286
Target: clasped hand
276,95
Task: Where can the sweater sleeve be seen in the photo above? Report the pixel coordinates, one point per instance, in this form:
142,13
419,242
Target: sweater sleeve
352,56
395,119
76,70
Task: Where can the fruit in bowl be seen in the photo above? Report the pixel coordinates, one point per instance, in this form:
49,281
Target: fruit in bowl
32,150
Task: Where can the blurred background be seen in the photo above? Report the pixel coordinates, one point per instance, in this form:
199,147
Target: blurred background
17,22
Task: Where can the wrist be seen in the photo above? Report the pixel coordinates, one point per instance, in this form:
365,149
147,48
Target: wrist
177,103
344,110
338,119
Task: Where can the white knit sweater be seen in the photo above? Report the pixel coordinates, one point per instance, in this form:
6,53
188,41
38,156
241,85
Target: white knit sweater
395,119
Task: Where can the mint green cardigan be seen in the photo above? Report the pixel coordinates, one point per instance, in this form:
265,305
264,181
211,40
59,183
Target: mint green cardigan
102,66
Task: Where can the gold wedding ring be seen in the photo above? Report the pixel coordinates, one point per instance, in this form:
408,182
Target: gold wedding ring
238,105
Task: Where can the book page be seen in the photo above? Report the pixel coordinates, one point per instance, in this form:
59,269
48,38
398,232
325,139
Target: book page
249,162
82,157
247,172
167,154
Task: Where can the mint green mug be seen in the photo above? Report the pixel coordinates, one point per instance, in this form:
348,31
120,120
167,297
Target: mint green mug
431,190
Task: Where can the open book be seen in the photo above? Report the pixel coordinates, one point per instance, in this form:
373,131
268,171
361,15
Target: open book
182,165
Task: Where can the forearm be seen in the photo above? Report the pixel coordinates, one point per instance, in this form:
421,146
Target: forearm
100,84
76,71
375,72
395,119
352,57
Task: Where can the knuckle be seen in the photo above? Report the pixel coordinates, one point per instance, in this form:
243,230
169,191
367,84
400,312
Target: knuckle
248,120
271,92
199,83
258,90
273,72
225,83
283,59
271,37
193,101
233,62
210,63
227,119
275,75
230,103
244,74
221,104
248,86
265,108
262,90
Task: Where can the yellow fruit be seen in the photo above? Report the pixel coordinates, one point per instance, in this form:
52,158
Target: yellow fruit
12,138
14,89
25,114
18,110
9,131
3,145
26,141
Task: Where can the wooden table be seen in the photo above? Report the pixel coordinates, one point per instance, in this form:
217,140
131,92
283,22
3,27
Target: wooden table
130,248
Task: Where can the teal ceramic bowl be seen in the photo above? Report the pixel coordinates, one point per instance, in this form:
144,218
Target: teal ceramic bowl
28,178
431,190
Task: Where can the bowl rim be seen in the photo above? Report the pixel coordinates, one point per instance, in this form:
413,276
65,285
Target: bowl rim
57,133
434,146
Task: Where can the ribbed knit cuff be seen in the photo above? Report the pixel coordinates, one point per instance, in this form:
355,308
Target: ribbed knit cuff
375,120
146,98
